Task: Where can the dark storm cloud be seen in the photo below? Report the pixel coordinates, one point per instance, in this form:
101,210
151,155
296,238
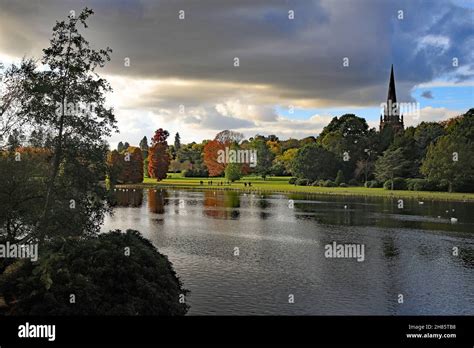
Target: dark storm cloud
298,59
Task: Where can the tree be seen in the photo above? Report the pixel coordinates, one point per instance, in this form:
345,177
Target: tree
211,150
264,158
37,138
390,165
131,166
339,178
233,172
144,144
160,137
158,161
158,156
313,162
22,191
68,100
228,137
286,159
16,87
346,137
425,134
144,147
120,147
105,281
177,142
126,145
451,158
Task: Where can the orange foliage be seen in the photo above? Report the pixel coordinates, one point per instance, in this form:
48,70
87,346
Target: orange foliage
211,155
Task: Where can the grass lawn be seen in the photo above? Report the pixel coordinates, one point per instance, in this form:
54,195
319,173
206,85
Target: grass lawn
280,184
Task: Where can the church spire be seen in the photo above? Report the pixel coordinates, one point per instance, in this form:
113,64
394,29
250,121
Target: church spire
391,116
392,95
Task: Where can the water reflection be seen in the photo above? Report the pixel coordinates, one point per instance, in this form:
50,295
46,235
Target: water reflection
156,201
126,198
408,251
221,204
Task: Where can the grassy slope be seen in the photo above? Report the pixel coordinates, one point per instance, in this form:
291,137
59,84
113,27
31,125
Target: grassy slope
280,184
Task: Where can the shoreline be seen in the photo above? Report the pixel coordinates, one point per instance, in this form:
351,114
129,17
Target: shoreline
312,190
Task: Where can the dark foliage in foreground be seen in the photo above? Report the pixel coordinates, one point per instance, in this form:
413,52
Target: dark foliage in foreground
97,271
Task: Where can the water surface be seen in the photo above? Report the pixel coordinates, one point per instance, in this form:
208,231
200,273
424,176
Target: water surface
281,239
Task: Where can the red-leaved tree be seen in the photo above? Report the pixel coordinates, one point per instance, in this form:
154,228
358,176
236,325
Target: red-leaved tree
158,157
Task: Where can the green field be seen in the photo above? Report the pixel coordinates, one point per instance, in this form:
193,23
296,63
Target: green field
280,184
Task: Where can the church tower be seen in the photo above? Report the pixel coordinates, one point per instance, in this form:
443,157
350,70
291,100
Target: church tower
391,115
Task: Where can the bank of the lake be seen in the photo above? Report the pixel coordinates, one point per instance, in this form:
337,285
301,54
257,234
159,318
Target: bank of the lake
281,185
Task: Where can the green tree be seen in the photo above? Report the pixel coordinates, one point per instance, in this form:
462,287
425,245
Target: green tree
68,100
264,157
313,162
286,159
390,165
177,142
450,160
120,147
144,143
233,172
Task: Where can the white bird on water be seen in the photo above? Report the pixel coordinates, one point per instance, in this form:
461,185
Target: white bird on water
454,220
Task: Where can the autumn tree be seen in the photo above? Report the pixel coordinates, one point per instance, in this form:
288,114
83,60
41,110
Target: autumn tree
211,155
158,156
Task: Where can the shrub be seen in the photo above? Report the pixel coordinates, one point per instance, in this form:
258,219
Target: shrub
315,183
375,183
292,181
353,182
339,178
195,173
104,280
302,182
398,184
342,184
329,183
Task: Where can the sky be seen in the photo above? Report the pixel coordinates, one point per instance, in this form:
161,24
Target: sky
300,62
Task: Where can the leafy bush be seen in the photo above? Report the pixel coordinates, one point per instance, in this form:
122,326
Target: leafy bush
421,185
375,184
398,184
195,173
353,182
302,182
315,183
104,280
329,183
339,178
292,181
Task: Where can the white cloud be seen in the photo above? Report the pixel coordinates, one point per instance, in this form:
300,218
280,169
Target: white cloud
440,42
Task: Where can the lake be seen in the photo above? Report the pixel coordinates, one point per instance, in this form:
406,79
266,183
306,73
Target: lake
265,254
